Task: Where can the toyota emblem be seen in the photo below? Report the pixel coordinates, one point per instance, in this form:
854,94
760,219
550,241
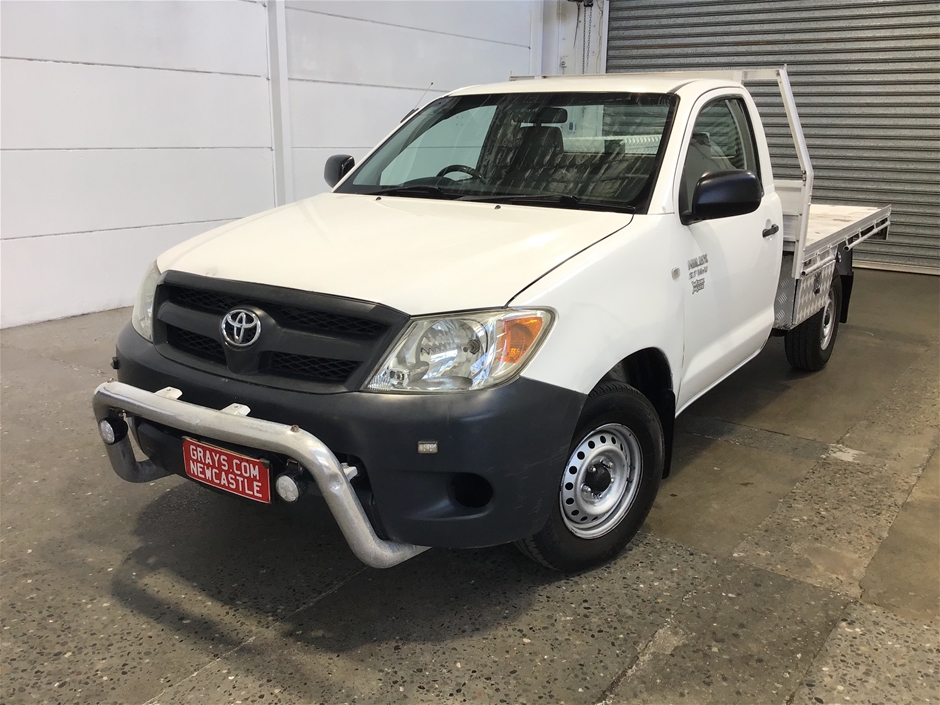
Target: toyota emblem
241,328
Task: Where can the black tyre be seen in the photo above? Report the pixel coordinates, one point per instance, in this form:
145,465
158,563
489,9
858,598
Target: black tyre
608,485
809,345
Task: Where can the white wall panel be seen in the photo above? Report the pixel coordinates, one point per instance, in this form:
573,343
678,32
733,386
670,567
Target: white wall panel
201,36
308,168
74,106
495,20
47,192
327,48
331,114
127,127
80,272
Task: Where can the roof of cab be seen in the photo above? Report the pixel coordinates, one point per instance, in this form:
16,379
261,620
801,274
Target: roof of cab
598,83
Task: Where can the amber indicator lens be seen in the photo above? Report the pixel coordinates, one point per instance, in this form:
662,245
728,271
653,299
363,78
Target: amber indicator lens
517,337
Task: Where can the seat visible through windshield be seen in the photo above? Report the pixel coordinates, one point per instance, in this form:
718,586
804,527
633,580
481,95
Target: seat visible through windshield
597,148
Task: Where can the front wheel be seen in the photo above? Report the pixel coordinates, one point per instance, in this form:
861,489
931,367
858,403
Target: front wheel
608,485
809,345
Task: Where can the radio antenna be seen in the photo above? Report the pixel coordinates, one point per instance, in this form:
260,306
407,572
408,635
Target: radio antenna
408,114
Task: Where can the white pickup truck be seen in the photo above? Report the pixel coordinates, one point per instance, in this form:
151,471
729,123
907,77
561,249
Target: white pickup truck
485,332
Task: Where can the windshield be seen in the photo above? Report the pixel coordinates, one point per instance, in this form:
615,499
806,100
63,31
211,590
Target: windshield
575,150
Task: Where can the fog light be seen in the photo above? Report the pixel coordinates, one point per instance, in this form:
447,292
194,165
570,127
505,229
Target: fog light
290,487
112,430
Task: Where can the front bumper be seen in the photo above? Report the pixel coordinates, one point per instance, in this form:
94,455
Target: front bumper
230,426
513,439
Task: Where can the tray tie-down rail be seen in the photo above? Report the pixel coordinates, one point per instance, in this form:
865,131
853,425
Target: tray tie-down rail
115,400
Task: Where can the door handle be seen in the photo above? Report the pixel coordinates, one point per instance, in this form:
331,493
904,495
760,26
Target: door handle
771,231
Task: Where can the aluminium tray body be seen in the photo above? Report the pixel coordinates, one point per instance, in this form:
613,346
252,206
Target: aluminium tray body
831,227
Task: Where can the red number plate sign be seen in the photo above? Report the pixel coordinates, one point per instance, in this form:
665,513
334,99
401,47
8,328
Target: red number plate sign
238,474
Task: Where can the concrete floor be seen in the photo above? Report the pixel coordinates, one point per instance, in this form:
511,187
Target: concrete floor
791,558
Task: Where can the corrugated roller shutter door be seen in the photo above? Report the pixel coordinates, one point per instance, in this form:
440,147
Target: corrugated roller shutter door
866,77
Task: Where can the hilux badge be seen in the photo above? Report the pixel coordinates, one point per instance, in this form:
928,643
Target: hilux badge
241,328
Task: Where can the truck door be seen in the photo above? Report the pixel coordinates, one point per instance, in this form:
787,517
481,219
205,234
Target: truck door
733,263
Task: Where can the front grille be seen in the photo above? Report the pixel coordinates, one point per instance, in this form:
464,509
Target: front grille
329,322
199,345
308,341
209,301
288,316
313,368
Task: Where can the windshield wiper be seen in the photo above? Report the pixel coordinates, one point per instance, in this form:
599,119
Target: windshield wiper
560,199
413,190
563,200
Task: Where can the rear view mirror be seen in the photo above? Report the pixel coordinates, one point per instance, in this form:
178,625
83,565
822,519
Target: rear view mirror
549,115
337,167
722,194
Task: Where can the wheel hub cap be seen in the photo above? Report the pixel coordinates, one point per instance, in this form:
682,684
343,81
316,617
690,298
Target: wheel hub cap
598,478
600,481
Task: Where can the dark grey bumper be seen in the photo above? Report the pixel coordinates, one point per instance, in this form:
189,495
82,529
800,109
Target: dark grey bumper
232,426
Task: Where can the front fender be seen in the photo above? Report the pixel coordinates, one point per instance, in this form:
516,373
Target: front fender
615,298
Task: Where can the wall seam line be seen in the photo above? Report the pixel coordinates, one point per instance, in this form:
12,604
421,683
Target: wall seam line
367,85
132,66
123,227
117,149
402,26
279,103
368,146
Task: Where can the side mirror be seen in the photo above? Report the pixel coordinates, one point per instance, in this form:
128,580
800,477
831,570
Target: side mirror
722,194
337,167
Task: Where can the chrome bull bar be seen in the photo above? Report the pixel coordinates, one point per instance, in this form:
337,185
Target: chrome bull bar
232,425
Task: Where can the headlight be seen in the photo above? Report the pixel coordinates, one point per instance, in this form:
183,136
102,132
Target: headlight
142,318
467,351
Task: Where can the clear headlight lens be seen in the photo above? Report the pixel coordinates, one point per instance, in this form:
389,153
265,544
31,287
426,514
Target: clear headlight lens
468,351
142,318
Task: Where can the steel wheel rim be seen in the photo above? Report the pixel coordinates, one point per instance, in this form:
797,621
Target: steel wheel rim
828,322
611,448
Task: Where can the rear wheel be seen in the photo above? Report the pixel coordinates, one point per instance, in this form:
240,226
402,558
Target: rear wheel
608,485
809,345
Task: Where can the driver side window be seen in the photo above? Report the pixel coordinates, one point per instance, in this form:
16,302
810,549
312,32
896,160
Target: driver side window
722,140
454,141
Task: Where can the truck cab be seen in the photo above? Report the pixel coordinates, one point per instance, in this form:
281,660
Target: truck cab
484,332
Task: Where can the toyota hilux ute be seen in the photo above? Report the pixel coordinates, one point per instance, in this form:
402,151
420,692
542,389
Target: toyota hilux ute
483,334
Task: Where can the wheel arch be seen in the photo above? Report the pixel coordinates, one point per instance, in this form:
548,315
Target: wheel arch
648,371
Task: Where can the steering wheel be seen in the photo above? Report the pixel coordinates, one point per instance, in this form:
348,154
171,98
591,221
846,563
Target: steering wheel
462,168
